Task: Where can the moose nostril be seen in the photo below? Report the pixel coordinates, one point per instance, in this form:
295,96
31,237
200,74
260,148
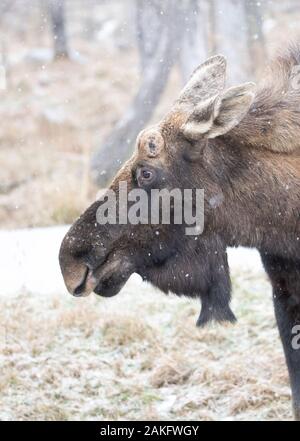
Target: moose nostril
81,287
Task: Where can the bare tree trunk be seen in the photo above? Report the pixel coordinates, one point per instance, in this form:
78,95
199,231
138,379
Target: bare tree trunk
256,43
195,36
148,36
231,38
57,16
156,28
6,6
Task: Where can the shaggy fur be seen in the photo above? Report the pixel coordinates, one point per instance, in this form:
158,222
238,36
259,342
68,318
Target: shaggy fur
252,198
273,121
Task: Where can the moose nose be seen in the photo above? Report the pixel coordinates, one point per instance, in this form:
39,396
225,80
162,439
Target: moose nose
77,274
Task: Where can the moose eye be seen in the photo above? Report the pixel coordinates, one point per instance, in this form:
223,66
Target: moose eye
144,176
147,174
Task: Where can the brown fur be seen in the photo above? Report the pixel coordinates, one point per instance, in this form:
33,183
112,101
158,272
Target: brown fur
274,119
252,198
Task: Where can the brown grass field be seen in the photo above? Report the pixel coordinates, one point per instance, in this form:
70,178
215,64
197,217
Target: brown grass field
140,356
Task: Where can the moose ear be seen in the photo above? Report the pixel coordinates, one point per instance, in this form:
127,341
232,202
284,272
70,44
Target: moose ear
201,121
207,80
220,114
235,104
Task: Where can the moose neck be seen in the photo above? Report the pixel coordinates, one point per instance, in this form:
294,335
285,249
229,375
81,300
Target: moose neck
256,196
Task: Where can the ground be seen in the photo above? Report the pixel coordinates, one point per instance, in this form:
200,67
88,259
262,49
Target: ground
137,355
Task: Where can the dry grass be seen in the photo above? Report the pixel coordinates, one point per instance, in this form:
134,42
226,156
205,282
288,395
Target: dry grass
48,133
140,356
49,128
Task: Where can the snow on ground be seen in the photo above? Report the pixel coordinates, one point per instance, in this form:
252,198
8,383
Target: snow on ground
29,260
136,356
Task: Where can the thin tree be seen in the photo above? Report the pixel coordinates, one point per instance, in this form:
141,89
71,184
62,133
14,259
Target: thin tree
58,24
163,29
238,34
230,37
256,43
195,36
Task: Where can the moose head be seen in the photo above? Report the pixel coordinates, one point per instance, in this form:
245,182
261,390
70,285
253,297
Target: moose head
178,153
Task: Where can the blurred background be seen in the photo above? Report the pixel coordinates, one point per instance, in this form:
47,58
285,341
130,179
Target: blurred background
78,80
83,77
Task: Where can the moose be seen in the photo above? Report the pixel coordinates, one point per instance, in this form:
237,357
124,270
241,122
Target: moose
239,144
